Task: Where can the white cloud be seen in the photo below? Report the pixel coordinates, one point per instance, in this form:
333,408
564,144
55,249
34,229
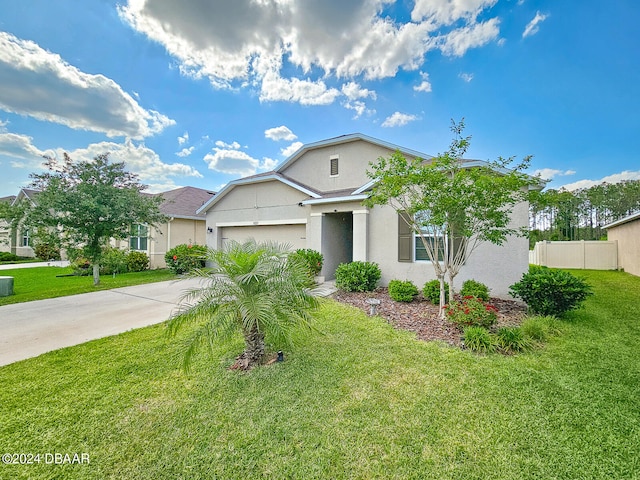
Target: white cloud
467,77
291,149
228,158
183,139
20,150
533,26
398,119
550,173
457,42
614,178
232,146
448,11
185,152
252,43
304,92
425,85
280,133
42,85
354,93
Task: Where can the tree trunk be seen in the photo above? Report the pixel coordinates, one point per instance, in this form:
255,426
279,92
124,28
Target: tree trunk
96,274
443,298
254,351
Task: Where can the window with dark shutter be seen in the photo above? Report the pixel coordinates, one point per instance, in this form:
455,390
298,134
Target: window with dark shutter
334,166
405,239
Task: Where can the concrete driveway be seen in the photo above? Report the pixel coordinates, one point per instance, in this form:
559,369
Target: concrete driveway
33,328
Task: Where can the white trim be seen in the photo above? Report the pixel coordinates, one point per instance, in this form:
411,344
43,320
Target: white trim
365,187
316,214
361,212
292,221
349,198
622,221
247,181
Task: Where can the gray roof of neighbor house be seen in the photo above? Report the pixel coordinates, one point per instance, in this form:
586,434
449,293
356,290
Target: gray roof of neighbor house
184,202
8,199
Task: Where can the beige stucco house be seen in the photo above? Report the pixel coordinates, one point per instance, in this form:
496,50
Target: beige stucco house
314,200
19,241
184,225
626,232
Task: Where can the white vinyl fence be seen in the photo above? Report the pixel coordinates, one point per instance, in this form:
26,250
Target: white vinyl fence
593,255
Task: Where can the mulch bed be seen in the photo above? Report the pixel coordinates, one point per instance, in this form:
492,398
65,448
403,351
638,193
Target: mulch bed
421,316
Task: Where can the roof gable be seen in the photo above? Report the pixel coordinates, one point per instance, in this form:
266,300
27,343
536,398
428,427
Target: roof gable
259,178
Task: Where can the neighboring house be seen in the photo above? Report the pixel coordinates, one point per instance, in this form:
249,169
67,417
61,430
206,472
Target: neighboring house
19,242
183,226
626,232
314,200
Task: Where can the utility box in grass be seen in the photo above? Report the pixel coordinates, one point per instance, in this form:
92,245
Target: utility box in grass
6,286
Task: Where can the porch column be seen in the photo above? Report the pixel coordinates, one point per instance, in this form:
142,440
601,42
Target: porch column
314,231
361,235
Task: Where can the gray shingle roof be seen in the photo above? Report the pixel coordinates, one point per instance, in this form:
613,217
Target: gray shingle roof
183,202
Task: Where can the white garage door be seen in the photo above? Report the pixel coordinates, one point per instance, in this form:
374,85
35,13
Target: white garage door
294,235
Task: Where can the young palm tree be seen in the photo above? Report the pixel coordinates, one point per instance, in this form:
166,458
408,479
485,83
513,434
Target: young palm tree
253,287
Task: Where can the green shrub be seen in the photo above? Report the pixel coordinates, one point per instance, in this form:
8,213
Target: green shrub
137,261
357,276
549,291
113,260
479,339
511,339
475,289
47,251
312,258
471,311
431,291
402,291
8,257
81,266
539,328
184,258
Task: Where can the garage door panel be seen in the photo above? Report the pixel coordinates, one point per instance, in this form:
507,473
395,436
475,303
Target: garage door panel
294,235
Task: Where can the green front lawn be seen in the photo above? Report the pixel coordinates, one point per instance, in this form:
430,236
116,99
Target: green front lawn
358,400
45,282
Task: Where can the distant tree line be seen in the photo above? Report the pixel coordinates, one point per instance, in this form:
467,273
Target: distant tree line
581,214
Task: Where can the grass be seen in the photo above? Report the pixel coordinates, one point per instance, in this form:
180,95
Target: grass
359,400
38,283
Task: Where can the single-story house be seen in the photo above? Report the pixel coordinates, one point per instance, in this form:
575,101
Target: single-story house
184,225
314,200
626,232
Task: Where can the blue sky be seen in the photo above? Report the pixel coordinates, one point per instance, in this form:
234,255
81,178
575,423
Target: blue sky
201,92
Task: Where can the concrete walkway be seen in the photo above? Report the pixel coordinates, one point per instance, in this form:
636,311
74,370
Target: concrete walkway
33,328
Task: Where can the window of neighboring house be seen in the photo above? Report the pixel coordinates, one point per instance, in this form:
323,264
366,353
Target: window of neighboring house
26,239
333,166
139,237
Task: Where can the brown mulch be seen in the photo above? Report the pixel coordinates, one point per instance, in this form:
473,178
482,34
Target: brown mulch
421,316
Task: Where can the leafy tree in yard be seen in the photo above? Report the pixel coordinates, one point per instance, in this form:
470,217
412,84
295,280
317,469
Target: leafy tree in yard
90,202
452,206
257,288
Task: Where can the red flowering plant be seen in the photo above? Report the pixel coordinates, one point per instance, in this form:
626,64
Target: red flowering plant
471,311
184,258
